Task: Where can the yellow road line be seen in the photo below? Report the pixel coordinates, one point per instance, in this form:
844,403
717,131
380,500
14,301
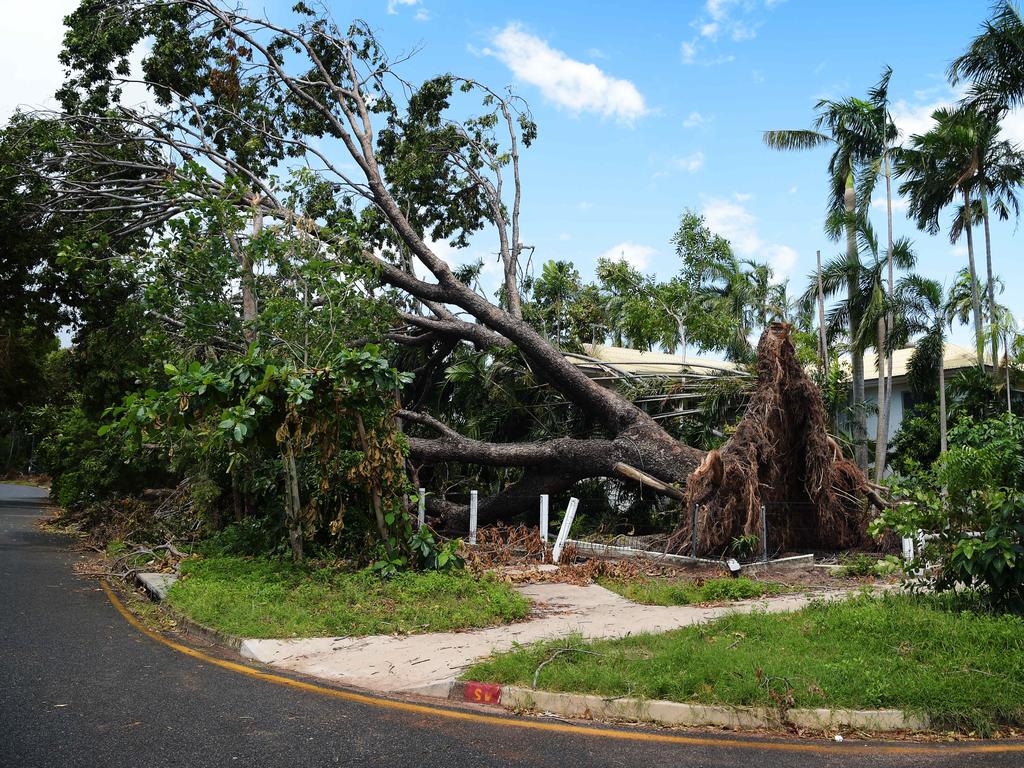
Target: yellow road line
505,722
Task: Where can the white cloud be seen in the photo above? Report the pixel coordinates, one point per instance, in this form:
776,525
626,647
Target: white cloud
792,190
575,85
781,258
734,222
636,255
564,237
899,204
422,15
28,57
695,120
742,197
393,5
584,205
691,163
737,20
29,46
916,118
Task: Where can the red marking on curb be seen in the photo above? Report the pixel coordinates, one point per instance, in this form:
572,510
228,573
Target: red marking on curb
482,693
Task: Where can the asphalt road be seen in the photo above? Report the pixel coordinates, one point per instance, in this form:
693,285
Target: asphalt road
80,686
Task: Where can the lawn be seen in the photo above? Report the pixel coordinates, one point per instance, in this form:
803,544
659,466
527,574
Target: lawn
256,597
964,670
650,591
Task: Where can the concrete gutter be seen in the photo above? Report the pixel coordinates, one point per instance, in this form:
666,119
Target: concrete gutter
673,713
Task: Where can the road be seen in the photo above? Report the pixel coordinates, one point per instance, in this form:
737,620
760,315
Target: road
80,686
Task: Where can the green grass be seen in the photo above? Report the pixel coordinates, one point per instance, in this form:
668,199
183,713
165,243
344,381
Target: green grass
249,597
964,670
689,592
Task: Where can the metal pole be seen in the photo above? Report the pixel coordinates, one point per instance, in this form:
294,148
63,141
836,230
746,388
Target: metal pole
544,508
764,535
693,532
472,517
421,513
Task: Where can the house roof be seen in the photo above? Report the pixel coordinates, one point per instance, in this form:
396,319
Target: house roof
955,358
635,362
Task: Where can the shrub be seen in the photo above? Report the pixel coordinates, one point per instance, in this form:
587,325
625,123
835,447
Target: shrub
972,502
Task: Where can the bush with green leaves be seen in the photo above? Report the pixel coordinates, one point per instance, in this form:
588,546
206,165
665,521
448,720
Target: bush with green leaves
86,467
323,439
971,503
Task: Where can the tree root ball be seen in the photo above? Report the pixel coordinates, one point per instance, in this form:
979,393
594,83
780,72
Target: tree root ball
782,457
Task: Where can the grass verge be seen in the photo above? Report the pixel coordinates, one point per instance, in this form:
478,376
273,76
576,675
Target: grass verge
964,670
649,591
255,597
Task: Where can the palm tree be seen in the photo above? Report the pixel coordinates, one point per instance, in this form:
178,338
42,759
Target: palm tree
939,166
883,325
928,311
994,62
1000,171
851,127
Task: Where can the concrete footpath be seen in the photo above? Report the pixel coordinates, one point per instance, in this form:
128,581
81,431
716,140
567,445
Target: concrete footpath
428,664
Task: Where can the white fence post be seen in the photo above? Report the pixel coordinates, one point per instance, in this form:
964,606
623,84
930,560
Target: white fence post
563,532
908,548
421,512
472,517
544,517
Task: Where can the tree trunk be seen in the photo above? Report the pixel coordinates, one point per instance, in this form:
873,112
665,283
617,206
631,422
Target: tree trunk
375,495
822,340
988,274
979,336
859,427
780,455
889,320
882,430
292,502
942,398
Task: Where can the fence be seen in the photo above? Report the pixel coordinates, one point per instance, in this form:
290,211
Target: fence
779,527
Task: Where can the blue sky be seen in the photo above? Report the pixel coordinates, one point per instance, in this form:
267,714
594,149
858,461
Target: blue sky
647,110
676,122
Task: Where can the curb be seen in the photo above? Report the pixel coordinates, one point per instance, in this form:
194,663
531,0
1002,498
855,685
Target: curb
187,626
591,707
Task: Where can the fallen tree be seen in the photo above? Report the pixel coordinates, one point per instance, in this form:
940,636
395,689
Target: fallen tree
385,172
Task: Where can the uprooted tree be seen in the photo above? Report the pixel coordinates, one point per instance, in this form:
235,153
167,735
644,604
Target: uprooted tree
378,171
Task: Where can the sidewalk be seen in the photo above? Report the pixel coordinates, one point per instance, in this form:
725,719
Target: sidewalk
427,664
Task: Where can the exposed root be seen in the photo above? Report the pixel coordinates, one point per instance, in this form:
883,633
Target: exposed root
780,456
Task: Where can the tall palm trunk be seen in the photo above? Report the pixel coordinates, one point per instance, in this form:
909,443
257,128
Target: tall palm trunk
885,358
942,398
882,432
979,337
988,273
860,430
822,340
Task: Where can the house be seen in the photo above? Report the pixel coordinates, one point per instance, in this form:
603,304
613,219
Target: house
608,364
955,360
600,361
